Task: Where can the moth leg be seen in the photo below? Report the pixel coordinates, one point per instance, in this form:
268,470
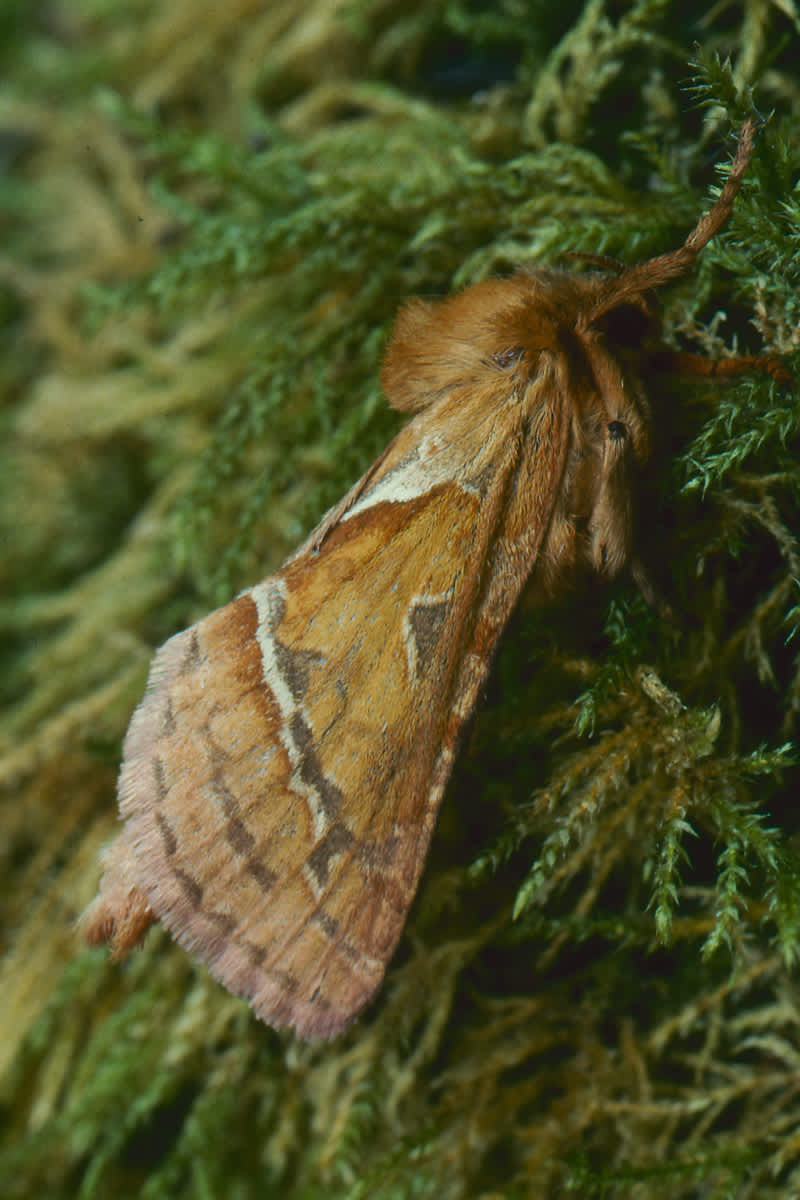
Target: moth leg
650,593
723,368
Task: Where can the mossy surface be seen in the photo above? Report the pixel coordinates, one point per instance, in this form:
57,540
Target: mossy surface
209,216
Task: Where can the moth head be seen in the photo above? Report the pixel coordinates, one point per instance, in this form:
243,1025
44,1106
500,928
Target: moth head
618,321
499,327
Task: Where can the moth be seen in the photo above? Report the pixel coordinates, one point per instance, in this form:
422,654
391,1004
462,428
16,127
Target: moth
282,775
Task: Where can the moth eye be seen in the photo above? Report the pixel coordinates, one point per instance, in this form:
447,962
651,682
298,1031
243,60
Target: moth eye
507,358
617,431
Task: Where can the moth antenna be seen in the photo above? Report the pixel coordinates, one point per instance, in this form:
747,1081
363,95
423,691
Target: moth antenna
655,271
597,260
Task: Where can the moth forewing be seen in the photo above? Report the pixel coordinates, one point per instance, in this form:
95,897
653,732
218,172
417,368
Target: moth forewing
282,775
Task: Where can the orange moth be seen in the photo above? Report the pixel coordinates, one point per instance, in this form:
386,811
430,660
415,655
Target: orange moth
264,824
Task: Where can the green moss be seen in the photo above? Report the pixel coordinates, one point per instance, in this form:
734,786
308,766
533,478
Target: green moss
210,217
